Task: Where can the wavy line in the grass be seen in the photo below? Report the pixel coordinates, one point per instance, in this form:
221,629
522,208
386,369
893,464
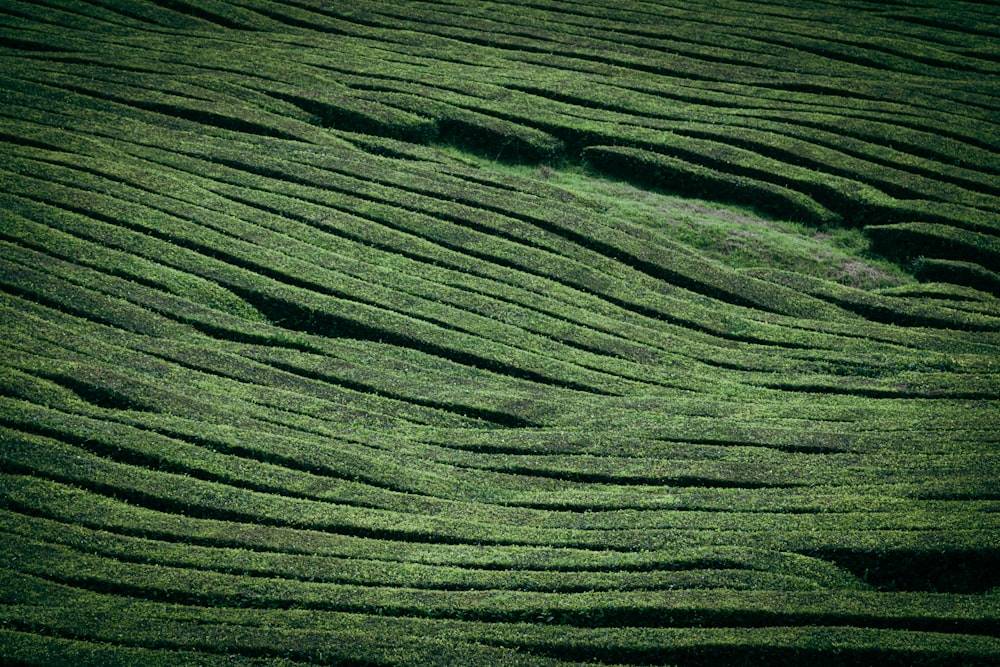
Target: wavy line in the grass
697,443
106,478
178,311
256,396
915,114
75,300
466,357
271,448
659,316
630,608
824,477
403,531
602,248
814,193
387,28
35,496
696,438
640,63
133,457
471,411
210,461
168,353
481,451
150,284
940,22
458,27
826,139
320,346
352,391
344,395
366,572
421,292
76,18
489,231
137,15
552,470
326,229
921,148
680,481
801,429
187,530
175,506
690,32
112,390
436,288
871,392
152,460
207,115
689,28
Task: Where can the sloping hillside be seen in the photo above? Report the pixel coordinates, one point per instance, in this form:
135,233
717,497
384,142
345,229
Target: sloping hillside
365,333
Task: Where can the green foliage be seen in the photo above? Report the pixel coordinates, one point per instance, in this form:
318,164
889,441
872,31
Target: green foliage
391,334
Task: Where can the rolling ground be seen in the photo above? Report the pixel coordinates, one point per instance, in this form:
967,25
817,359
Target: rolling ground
499,333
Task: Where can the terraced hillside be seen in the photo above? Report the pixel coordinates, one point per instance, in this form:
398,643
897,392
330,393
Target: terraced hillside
416,333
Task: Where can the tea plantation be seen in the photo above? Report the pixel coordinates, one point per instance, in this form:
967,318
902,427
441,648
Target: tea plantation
499,333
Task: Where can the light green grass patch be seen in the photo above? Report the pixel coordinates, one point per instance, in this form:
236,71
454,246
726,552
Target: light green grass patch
733,235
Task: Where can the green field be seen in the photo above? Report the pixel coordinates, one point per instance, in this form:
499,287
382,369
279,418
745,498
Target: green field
440,333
